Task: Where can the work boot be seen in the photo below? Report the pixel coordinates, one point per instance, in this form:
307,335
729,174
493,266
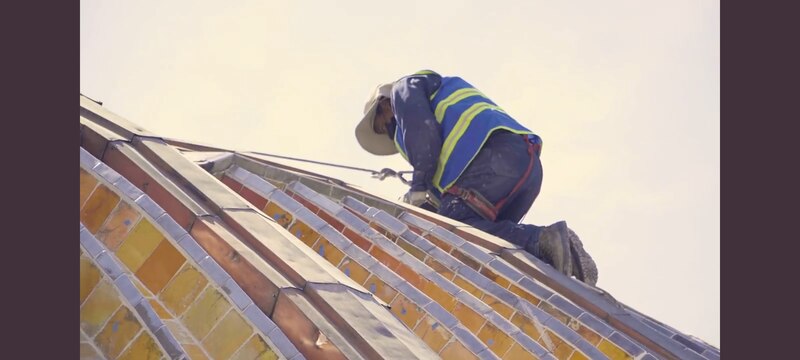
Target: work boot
583,267
553,247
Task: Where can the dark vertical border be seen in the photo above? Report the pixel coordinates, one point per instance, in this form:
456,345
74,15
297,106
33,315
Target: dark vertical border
40,55
760,97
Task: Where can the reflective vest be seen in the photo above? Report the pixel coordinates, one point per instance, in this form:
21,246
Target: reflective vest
467,118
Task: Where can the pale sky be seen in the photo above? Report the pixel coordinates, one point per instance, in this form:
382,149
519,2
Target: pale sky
625,95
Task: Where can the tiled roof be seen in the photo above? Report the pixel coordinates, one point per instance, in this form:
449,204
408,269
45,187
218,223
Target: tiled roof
193,251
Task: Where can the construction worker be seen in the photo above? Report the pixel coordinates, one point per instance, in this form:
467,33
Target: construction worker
471,159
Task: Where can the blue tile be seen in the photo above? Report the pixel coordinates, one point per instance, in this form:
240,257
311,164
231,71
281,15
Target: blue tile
470,341
214,271
448,237
409,218
596,324
149,206
107,173
285,347
626,344
148,315
237,295
191,247
529,285
92,246
259,319
128,290
169,343
565,306
88,160
438,313
127,189
501,267
109,265
171,227
477,253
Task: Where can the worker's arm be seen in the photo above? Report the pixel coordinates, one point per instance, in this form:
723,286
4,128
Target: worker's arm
421,133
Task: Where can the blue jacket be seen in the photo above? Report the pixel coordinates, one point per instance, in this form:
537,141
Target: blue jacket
441,124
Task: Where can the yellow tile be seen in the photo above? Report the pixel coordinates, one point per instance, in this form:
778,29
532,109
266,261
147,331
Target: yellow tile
467,286
380,289
143,348
179,331
328,251
117,333
441,297
411,249
577,355
160,267
304,233
518,352
160,311
194,352
142,289
495,339
183,289
563,351
456,351
89,353
97,207
439,243
90,276
354,271
533,330
276,212
405,310
88,183
468,317
611,350
255,349
439,268
556,313
524,294
227,336
98,307
205,312
140,243
499,306
432,333
384,258
119,224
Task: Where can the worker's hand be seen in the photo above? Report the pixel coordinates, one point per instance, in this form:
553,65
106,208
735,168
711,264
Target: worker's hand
415,198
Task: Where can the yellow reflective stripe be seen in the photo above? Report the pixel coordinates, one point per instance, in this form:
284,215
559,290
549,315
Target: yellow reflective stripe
425,72
456,133
455,97
434,93
400,150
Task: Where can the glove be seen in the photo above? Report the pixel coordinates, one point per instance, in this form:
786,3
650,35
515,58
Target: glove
415,198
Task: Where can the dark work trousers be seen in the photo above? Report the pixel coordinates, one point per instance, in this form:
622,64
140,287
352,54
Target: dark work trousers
494,172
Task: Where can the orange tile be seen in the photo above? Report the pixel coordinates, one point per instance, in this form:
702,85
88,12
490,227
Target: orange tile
98,207
88,183
98,307
205,312
405,310
456,351
439,243
495,277
119,224
524,294
528,326
301,231
160,267
276,212
563,351
231,183
467,286
328,251
354,271
385,259
117,333
415,279
252,197
586,333
411,249
183,289
380,289
439,268
441,297
468,317
332,221
143,347
495,339
434,334
518,352
498,306
139,244
231,332
612,350
357,239
90,276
